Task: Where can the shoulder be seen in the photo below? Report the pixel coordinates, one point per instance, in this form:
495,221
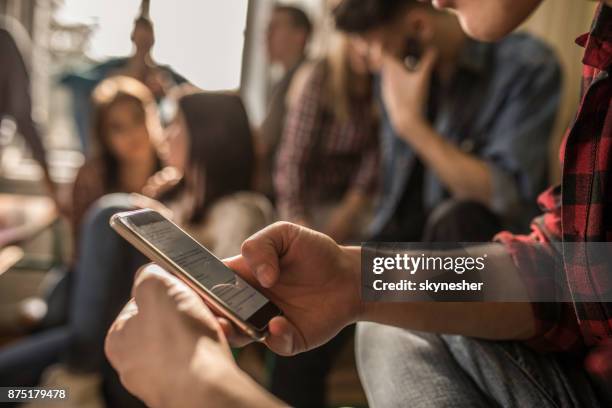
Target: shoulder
309,76
244,206
523,50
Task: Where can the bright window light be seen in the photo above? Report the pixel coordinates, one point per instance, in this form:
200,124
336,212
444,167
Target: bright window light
201,40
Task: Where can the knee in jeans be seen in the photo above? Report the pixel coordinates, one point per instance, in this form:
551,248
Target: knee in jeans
104,208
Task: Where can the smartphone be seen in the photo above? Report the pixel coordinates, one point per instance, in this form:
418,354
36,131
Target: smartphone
222,289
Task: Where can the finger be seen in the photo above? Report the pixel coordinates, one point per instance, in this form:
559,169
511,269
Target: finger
239,265
152,285
114,335
427,61
235,337
284,338
263,250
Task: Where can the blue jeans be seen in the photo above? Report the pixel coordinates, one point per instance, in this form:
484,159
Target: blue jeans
408,368
101,286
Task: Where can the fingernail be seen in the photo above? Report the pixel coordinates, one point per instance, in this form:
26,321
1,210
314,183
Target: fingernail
264,275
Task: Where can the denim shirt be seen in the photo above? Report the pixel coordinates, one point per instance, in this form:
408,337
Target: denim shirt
500,106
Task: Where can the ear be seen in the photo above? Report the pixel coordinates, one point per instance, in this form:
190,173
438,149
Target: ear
420,23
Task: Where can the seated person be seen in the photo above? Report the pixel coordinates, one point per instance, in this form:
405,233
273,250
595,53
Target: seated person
210,144
287,35
469,156
125,135
327,161
499,353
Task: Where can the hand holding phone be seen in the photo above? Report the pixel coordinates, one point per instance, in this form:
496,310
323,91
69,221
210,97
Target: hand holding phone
226,293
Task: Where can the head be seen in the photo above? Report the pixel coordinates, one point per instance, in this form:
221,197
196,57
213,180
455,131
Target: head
126,124
348,74
489,20
287,35
390,25
143,35
210,142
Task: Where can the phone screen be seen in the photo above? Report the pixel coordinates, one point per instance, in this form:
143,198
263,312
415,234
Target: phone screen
232,291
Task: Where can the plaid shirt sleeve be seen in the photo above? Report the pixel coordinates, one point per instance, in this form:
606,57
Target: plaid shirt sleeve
557,328
298,140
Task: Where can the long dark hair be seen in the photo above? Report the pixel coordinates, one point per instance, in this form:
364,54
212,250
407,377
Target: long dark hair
108,93
221,156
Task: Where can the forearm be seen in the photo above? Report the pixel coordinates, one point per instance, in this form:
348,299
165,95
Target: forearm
465,175
490,320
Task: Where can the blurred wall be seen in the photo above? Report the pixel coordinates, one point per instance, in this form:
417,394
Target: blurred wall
559,22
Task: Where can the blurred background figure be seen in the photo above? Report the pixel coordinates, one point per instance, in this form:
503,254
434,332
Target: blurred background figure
124,155
15,95
327,162
470,160
140,65
287,36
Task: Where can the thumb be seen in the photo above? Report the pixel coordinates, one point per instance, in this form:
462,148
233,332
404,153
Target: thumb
263,250
428,60
284,338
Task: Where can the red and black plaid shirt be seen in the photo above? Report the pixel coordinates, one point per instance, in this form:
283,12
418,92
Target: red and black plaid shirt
577,213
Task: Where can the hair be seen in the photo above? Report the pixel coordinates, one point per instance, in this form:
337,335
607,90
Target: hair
145,22
107,94
358,16
298,17
221,156
338,91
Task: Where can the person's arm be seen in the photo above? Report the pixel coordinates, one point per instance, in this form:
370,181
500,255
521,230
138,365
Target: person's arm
488,320
317,284
510,168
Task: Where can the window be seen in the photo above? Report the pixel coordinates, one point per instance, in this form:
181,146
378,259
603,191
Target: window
202,40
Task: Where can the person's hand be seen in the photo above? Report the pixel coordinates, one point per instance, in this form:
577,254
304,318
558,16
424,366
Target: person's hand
162,181
405,92
170,350
313,280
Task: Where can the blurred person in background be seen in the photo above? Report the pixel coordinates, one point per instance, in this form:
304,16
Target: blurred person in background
15,95
287,36
140,65
125,136
470,158
327,162
209,144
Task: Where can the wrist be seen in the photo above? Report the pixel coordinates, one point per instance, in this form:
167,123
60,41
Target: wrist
411,127
352,270
225,387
